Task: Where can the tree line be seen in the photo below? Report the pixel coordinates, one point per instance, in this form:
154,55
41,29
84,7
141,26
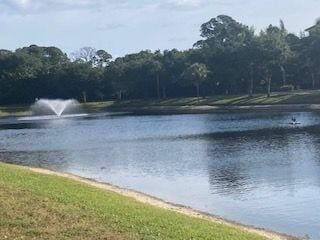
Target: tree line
230,58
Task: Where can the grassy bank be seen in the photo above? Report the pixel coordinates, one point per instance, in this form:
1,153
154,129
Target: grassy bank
297,97
39,206
14,110
290,98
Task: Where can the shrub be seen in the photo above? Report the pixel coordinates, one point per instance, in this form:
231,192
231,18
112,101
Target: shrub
286,88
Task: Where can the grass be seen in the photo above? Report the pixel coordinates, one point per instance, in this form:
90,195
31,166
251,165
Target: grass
14,110
38,206
297,97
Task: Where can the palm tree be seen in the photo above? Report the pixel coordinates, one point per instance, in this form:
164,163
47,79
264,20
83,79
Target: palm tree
196,74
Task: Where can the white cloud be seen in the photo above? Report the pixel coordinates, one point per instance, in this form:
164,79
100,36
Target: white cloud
126,26
21,3
40,6
36,6
110,26
184,4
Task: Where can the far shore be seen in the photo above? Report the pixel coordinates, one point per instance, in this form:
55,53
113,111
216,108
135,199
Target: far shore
157,202
216,109
170,110
288,101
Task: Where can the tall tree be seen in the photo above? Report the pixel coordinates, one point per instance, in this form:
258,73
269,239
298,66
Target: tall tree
309,54
223,31
226,52
173,64
84,54
154,69
274,52
102,58
196,74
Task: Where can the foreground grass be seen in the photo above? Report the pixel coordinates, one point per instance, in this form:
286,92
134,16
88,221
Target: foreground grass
38,206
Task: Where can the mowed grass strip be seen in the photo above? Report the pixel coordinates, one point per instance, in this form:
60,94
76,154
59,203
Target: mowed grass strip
299,97
39,206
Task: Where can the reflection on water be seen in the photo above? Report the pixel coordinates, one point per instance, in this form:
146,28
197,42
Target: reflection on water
253,168
50,117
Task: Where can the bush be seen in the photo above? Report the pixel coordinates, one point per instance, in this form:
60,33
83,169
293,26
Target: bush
286,88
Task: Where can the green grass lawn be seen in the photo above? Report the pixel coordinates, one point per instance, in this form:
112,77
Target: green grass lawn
39,206
298,97
14,110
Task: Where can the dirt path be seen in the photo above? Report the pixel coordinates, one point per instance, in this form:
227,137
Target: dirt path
147,199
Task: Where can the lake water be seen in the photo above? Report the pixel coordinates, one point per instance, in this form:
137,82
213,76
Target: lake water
254,168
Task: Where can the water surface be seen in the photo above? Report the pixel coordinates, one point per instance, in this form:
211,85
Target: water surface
254,168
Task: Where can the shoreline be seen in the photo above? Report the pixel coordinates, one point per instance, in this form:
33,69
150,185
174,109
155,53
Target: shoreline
182,109
205,109
160,203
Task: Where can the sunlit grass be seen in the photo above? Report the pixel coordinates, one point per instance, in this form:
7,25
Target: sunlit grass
14,110
38,206
311,97
299,97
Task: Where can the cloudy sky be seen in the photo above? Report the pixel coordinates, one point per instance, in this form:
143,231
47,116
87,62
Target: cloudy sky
126,26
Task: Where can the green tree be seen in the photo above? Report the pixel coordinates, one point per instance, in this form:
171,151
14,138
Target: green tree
227,52
173,64
274,51
309,55
102,58
224,32
154,69
196,74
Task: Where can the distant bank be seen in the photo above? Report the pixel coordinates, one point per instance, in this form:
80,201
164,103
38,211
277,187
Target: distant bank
288,101
214,109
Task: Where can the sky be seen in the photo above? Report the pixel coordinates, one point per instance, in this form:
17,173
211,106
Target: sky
127,26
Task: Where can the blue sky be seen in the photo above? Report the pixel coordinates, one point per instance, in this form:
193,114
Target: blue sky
123,26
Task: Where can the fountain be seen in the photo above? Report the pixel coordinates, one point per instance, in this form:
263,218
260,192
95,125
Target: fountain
57,106
50,109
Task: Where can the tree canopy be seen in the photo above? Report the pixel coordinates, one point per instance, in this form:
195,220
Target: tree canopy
231,58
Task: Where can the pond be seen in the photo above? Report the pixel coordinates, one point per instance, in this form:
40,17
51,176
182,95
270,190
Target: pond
254,168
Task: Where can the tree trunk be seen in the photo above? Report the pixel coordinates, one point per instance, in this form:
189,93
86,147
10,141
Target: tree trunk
251,81
84,94
198,91
120,95
251,87
158,86
164,92
284,75
269,85
312,74
313,81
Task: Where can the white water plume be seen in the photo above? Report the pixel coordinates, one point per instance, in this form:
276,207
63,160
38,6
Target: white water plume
56,106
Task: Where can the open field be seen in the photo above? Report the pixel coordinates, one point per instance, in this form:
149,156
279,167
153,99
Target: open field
43,206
